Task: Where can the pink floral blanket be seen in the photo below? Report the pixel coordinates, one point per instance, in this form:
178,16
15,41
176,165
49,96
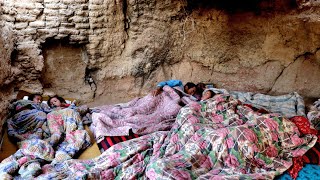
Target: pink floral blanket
216,139
141,115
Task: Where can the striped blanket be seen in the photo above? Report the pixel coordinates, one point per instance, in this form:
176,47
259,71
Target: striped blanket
109,141
287,105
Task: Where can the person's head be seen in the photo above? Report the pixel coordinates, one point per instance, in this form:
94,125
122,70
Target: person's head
190,88
201,86
56,101
207,95
36,98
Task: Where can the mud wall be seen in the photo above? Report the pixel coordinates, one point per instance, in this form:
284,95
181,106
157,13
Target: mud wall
6,88
111,51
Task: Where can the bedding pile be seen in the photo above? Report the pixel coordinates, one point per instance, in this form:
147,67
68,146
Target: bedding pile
219,138
27,120
287,105
314,114
141,115
42,138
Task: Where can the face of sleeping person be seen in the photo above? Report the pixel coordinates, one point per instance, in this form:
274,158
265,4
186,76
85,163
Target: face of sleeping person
207,95
191,91
37,99
54,102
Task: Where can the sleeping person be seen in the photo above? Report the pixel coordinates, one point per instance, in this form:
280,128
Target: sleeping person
189,89
143,115
26,118
57,102
200,88
207,94
43,138
67,134
36,98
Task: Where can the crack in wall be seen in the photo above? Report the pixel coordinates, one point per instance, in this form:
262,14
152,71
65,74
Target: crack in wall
305,54
89,80
126,23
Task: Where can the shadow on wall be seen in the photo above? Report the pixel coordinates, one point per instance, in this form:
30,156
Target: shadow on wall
65,70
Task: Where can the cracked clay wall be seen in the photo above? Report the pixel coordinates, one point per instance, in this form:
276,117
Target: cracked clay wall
111,51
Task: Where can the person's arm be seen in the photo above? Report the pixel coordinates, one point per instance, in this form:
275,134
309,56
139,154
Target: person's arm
171,83
157,91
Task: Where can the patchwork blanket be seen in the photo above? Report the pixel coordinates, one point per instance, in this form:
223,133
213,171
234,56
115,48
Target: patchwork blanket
27,120
314,114
64,136
142,115
217,139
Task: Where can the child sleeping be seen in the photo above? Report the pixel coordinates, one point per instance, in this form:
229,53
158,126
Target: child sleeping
57,102
207,94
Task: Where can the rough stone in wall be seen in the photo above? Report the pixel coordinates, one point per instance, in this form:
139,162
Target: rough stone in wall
35,22
129,46
6,88
308,3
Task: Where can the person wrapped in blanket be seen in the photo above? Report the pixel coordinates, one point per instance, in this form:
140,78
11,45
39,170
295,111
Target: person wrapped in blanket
306,166
65,120
44,134
191,90
207,94
26,119
36,98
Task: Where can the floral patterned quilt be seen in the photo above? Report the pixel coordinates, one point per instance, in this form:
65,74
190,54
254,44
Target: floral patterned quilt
141,115
27,120
64,137
216,139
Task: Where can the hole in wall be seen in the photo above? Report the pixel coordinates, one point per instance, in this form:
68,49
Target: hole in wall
64,71
13,57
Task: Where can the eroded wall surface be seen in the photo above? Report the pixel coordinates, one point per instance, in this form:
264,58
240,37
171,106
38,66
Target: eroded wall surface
6,88
111,51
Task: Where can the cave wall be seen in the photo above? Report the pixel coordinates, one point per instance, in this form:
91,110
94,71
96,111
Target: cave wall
6,88
121,49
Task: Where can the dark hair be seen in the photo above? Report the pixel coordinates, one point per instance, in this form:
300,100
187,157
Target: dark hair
212,93
58,97
189,85
200,88
32,96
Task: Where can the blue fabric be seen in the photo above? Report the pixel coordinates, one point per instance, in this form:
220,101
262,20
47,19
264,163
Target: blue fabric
309,171
171,83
